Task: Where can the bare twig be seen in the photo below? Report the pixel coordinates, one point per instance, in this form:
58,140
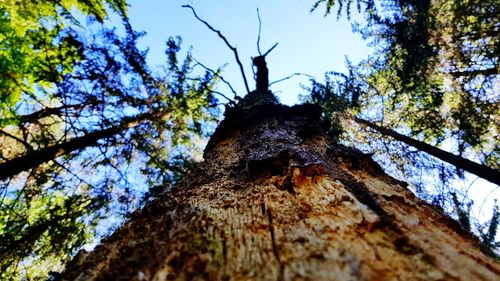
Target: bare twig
222,95
225,41
270,49
73,173
288,77
216,75
212,91
258,36
106,158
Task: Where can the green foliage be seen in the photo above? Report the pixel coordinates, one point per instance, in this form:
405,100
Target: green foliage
463,212
489,245
342,4
75,77
37,47
487,231
46,225
336,96
441,62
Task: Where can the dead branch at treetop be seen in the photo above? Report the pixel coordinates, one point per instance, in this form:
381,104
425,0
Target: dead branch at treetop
258,36
235,51
267,53
216,75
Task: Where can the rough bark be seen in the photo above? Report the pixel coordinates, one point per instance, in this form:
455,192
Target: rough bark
276,200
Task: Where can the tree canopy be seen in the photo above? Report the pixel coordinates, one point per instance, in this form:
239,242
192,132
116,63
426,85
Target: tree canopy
38,45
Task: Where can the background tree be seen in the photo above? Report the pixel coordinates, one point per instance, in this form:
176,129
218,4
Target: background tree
38,44
82,116
432,78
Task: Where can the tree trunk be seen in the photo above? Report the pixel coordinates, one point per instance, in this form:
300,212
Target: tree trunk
276,200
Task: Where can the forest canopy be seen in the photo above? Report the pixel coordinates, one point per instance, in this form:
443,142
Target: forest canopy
90,131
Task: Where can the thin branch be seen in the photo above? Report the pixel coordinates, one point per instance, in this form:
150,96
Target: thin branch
222,95
45,112
288,77
73,173
267,53
106,158
486,198
216,75
258,36
225,41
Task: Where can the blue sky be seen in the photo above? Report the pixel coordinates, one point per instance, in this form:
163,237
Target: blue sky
308,42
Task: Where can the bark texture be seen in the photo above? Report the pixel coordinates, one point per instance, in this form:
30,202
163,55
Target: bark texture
276,200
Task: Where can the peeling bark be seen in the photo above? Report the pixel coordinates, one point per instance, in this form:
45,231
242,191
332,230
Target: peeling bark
276,200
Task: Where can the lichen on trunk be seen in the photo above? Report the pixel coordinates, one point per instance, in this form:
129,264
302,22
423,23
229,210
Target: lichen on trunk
275,199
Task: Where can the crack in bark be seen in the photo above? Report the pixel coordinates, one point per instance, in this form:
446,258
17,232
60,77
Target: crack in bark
224,247
363,195
275,246
401,242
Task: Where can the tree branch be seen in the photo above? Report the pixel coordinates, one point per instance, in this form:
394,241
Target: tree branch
258,36
267,53
225,41
477,169
217,75
222,95
474,72
288,77
48,111
33,159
